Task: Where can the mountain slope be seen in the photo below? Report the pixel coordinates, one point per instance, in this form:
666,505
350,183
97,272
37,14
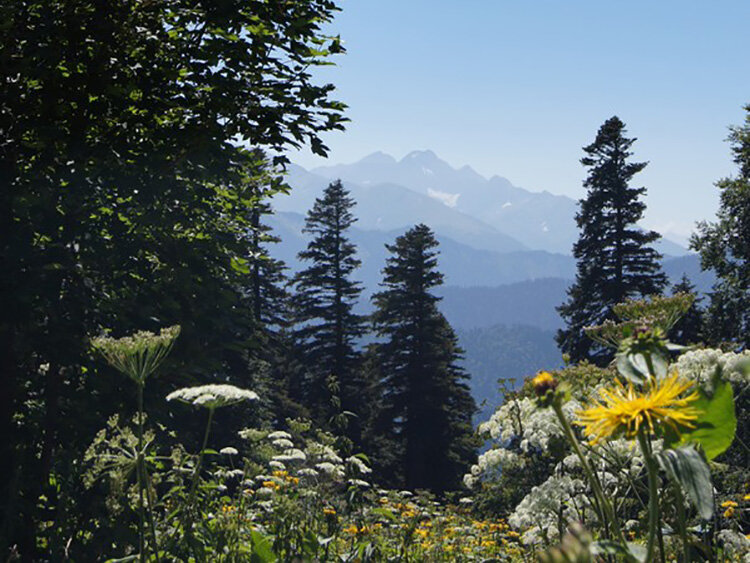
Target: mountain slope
388,206
541,220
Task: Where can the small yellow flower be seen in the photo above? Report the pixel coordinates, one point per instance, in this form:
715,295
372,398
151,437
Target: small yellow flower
625,410
746,497
329,511
729,504
351,529
543,382
271,484
729,512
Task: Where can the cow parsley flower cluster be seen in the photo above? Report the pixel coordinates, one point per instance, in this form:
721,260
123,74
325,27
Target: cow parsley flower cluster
212,396
701,365
559,498
522,419
139,354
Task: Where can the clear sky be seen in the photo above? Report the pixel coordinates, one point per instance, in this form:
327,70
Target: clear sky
516,88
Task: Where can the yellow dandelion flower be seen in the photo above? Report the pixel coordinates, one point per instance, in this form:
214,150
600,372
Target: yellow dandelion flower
729,512
729,504
746,497
625,409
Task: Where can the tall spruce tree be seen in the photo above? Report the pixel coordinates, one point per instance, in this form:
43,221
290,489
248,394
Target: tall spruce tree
724,247
427,407
614,258
327,325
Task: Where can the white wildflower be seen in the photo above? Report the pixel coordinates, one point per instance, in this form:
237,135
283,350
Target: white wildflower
276,464
701,366
264,492
229,450
291,455
139,355
213,395
307,472
358,483
279,435
326,453
283,443
359,464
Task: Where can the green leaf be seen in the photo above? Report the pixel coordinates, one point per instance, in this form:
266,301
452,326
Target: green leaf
240,265
262,548
687,467
632,367
715,428
630,551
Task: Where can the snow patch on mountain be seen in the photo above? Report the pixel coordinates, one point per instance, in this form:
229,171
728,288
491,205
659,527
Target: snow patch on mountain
451,200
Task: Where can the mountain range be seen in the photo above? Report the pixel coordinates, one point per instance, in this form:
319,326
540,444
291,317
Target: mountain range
504,251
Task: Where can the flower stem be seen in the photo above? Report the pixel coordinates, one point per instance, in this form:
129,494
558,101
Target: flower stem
139,477
653,494
606,512
682,521
196,473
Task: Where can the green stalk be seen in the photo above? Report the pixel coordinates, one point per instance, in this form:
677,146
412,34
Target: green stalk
150,512
605,510
196,473
653,494
682,521
196,476
139,476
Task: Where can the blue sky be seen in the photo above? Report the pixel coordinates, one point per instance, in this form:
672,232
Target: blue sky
517,88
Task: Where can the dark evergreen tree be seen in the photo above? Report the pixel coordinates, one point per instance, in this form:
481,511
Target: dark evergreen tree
689,329
328,328
427,407
273,358
614,256
724,247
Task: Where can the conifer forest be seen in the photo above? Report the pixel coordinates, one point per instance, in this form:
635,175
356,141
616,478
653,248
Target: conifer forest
173,389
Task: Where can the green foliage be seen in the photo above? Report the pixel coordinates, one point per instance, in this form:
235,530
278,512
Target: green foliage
724,248
688,469
615,259
716,426
127,186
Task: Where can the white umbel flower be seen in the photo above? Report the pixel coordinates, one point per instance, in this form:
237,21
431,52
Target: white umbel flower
212,396
229,450
283,443
279,435
359,464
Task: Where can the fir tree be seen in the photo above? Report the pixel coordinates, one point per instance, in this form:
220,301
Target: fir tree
328,328
689,329
272,352
427,407
614,256
724,247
